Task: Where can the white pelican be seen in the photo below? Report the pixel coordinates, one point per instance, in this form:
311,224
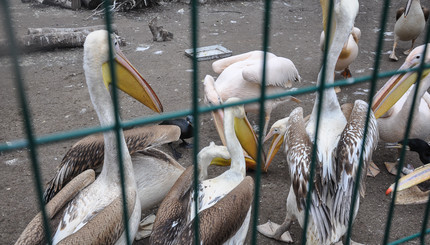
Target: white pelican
393,102
339,145
95,214
349,51
224,201
241,76
410,22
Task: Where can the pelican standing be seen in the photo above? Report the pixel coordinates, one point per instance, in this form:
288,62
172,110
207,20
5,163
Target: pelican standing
393,102
95,214
339,145
224,202
410,22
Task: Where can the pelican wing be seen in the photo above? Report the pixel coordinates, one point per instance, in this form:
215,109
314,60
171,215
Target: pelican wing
348,156
171,216
220,65
280,72
88,153
33,233
299,150
221,221
112,220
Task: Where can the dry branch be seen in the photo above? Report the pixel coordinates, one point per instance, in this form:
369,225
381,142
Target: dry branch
52,38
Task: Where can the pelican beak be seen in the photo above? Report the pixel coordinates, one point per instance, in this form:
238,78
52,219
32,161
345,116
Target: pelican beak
394,89
131,82
274,146
218,117
247,138
418,176
250,163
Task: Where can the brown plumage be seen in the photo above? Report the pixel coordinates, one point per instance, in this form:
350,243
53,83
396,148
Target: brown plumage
34,232
216,224
88,153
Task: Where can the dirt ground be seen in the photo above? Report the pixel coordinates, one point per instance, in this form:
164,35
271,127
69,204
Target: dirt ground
59,100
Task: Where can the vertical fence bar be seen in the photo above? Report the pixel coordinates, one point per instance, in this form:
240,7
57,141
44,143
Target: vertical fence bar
117,126
375,75
195,110
321,88
25,114
406,137
261,116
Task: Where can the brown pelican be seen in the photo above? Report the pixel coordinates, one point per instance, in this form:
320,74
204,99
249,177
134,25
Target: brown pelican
224,202
241,76
410,22
339,142
95,214
393,102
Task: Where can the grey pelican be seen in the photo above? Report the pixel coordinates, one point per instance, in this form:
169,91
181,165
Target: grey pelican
410,22
224,202
95,214
339,142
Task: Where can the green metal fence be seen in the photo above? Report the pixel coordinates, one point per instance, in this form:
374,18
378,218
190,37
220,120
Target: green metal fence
32,143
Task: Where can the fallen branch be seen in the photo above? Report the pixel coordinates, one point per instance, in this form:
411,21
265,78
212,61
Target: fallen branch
45,39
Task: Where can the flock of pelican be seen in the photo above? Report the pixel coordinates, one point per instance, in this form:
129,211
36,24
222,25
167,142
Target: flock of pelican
93,211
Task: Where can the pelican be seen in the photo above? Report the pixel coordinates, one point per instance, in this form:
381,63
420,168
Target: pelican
349,51
339,143
393,102
410,22
241,76
95,214
224,202
155,171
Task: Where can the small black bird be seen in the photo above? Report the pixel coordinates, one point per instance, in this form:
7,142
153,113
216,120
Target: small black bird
186,126
422,148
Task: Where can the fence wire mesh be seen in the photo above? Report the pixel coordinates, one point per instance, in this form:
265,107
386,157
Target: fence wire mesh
32,143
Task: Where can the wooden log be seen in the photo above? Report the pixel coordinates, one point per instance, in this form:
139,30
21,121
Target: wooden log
48,41
86,29
70,4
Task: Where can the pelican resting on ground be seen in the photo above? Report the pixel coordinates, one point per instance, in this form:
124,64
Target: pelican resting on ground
339,143
349,52
224,202
186,126
410,22
156,171
241,76
393,102
95,215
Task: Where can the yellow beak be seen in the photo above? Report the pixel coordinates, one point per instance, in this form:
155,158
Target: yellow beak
274,146
394,89
418,176
131,82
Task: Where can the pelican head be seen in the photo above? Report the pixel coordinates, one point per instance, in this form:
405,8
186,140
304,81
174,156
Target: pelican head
398,84
129,80
277,131
244,133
